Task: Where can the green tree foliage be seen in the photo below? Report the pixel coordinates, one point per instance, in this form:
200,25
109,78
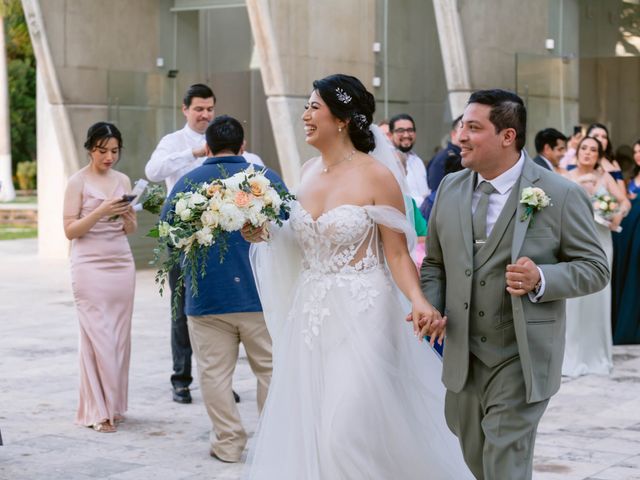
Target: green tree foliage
21,69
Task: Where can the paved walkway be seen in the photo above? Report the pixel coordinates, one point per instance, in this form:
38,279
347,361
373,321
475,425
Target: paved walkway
591,430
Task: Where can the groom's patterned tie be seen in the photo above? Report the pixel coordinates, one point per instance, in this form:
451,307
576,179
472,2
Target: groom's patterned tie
480,215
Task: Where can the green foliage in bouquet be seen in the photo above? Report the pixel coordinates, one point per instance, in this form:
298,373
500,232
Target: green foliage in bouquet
154,198
206,214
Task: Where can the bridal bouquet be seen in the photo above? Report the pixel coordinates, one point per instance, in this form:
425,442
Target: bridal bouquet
605,207
204,216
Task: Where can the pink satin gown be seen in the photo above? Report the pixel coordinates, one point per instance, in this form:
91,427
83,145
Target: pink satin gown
103,281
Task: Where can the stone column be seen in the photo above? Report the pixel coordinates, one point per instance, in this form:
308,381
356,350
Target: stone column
274,88
454,56
57,156
7,192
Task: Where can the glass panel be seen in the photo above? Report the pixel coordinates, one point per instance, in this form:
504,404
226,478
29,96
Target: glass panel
549,86
561,92
212,46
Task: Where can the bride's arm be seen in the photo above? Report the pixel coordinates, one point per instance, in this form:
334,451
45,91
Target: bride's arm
425,317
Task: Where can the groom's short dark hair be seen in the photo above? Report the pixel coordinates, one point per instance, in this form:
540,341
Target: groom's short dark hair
224,133
507,111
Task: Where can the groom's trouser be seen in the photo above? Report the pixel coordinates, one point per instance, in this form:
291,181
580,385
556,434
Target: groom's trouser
494,423
215,340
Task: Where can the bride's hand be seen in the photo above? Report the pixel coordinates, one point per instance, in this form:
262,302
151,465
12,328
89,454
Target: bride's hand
427,321
255,234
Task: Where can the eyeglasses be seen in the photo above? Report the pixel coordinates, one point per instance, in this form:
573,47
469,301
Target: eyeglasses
400,131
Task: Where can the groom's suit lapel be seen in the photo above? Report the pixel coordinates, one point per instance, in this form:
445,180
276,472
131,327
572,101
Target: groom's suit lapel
529,178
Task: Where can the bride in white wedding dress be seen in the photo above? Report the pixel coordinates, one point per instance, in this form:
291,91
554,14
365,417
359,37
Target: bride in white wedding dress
354,394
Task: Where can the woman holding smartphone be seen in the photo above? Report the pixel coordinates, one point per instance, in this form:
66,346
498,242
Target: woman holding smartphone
97,219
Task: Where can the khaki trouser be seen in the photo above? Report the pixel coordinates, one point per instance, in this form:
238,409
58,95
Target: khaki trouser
215,340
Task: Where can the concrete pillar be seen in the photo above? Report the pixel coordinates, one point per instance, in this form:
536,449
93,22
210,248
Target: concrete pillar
274,87
7,192
57,155
454,56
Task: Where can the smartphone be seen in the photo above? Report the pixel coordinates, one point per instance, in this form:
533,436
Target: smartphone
577,129
127,198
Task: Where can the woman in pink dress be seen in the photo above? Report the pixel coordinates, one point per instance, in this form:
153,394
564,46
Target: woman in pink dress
97,220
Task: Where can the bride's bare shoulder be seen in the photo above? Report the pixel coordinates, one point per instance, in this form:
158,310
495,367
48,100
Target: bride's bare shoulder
377,171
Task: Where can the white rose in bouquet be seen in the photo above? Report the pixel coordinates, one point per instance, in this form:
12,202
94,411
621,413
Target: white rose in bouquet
210,218
181,205
185,214
234,181
272,198
216,201
255,216
204,236
197,199
231,217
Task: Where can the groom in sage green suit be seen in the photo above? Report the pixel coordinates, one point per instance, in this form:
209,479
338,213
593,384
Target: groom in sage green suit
501,272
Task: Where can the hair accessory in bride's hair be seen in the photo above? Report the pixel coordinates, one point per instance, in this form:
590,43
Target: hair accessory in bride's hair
361,120
343,96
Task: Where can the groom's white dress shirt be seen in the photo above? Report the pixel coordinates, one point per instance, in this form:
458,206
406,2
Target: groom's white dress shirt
503,184
173,157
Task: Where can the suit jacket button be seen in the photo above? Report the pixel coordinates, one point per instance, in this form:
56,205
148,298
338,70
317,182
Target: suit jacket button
466,305
236,279
467,272
481,313
483,339
482,283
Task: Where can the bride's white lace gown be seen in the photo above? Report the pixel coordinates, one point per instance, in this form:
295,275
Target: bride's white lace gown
353,394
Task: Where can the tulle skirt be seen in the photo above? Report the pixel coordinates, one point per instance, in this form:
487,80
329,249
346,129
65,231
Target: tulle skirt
354,395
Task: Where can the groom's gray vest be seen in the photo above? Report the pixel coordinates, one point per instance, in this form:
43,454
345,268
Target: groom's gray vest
492,337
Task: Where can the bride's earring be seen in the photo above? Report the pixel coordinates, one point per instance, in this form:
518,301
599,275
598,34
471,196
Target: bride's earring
339,129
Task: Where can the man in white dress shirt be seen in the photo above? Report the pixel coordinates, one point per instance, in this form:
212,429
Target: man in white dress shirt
176,155
403,136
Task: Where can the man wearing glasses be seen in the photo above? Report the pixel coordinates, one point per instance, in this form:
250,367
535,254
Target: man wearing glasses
403,136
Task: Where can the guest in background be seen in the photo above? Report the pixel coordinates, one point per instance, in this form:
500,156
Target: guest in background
589,343
97,220
626,266
227,311
551,145
177,154
403,136
446,161
608,162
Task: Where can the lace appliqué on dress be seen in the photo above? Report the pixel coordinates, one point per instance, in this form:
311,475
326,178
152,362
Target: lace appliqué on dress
339,249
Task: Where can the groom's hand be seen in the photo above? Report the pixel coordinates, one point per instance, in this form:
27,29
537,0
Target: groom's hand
522,276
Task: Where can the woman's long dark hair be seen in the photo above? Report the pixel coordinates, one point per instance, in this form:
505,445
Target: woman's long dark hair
600,150
349,100
608,152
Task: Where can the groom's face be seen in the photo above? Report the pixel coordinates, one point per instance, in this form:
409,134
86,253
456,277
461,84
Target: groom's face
482,148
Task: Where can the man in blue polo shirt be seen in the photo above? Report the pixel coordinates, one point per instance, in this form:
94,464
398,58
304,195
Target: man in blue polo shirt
227,309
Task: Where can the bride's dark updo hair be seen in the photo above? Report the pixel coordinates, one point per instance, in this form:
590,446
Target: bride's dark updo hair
349,100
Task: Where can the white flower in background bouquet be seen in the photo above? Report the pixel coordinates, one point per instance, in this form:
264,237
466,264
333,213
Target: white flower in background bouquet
605,206
207,214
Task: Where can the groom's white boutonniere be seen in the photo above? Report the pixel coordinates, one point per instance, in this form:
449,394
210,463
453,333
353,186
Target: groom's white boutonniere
534,200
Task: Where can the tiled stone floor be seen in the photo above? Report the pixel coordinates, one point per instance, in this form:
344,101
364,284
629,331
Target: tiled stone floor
590,431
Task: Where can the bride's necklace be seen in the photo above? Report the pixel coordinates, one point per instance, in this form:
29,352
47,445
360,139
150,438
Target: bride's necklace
348,156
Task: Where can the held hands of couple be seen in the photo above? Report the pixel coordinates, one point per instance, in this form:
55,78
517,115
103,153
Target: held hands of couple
427,321
522,277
